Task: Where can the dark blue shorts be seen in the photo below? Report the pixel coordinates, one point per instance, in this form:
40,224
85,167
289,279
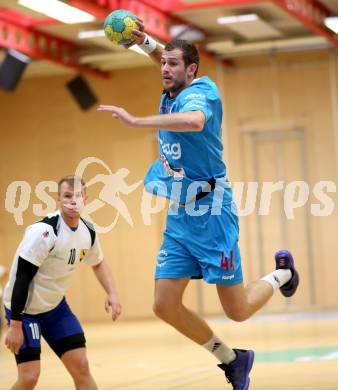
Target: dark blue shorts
59,327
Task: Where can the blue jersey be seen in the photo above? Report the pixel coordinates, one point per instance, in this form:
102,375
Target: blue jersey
187,157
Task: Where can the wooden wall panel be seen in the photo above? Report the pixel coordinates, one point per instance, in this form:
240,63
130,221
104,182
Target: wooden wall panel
44,136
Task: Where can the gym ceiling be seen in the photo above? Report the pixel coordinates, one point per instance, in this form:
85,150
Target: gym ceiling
257,27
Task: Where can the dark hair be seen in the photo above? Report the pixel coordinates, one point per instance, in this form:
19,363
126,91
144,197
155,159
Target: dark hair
189,51
71,180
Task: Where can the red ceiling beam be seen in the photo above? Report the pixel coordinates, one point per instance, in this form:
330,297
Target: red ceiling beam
158,18
20,32
157,21
13,16
181,5
99,9
44,46
311,13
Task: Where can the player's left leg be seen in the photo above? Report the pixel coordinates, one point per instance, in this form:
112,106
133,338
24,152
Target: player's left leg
217,250
240,303
219,255
77,365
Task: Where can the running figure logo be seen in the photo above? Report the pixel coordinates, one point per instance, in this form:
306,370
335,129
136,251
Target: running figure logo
114,184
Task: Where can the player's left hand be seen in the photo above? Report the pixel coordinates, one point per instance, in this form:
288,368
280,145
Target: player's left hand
138,35
113,302
119,113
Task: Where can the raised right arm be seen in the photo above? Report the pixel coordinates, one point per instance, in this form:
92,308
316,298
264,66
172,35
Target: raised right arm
147,43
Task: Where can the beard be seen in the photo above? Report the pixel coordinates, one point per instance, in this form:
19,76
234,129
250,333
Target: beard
176,87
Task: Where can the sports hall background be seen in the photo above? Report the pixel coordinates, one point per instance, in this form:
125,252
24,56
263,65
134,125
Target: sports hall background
44,136
280,124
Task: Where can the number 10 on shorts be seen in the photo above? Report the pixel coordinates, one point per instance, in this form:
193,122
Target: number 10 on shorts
35,330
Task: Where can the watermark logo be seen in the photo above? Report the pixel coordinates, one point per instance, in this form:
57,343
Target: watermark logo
114,184
18,195
250,197
293,195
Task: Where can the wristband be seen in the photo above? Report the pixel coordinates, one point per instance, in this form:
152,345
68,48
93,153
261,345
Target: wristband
16,316
148,45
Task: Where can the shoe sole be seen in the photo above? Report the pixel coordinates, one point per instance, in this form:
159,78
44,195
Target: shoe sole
250,364
294,281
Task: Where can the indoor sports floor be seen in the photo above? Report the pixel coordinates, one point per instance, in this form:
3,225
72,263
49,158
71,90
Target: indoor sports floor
293,352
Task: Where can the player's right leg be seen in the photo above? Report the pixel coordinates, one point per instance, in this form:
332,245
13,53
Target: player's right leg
28,358
28,375
175,267
169,307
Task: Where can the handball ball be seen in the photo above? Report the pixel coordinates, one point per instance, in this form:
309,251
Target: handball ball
118,26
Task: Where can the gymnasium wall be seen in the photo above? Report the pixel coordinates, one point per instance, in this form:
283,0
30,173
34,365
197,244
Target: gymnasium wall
280,124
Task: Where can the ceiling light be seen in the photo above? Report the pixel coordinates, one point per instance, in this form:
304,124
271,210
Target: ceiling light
136,49
90,34
332,23
237,19
183,31
58,10
100,33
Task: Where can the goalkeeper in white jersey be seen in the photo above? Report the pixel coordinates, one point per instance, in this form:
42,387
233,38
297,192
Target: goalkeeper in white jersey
34,296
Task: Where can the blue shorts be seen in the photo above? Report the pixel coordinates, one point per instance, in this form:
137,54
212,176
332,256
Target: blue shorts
204,246
59,327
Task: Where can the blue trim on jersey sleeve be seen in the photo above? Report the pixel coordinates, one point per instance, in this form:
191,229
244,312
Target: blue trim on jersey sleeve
200,95
196,100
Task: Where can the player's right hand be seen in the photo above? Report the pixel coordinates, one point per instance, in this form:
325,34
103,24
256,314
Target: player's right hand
14,337
138,35
119,113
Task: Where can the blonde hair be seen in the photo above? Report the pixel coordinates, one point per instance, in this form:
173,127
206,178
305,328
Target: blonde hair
72,180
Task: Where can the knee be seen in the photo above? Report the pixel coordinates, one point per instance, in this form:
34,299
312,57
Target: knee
160,309
164,310
82,370
238,316
29,379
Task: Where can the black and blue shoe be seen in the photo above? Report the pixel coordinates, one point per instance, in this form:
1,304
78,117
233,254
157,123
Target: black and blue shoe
237,372
284,260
